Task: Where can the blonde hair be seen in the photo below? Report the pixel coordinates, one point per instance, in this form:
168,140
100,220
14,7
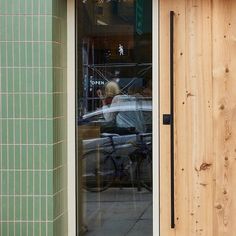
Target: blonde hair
111,89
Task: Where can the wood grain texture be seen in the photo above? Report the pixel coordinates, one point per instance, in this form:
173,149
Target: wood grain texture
224,77
193,118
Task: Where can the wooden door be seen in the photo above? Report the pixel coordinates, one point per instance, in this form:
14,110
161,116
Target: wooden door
204,117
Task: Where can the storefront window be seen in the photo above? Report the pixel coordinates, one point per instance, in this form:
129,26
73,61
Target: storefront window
114,117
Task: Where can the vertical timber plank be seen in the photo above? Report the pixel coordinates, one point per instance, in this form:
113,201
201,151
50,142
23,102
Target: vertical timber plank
196,152
224,77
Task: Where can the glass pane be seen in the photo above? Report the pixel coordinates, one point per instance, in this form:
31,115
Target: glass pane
114,117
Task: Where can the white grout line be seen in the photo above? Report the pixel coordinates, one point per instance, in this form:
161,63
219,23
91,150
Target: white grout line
20,148
33,140
14,133
45,28
1,133
26,110
40,127
7,131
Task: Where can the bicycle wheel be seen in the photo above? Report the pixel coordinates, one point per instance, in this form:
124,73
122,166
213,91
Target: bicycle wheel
145,172
98,171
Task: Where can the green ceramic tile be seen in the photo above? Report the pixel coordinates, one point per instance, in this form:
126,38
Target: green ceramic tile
4,228
44,156
50,182
22,27
18,227
23,131
49,55
18,157
30,228
4,105
4,131
43,228
36,183
36,5
28,7
30,131
49,80
42,33
50,156
11,209
29,56
36,76
11,157
23,104
4,186
36,54
43,108
4,208
9,35
43,181
3,28
3,79
43,131
37,206
30,150
10,105
48,7
42,59
35,21
50,229
18,208
24,158
24,211
37,132
16,51
30,182
37,157
9,54
30,106
22,55
37,229
9,7
24,186
11,183
37,109
30,80
4,156
16,74
16,27
10,131
10,80
11,228
49,26
17,107
50,208
50,105
49,131
3,7
17,131
23,228
3,54
17,183
16,7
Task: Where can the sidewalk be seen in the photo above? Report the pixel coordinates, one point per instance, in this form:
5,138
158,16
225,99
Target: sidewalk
118,212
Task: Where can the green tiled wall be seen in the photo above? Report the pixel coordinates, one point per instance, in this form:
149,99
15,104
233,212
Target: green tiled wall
32,117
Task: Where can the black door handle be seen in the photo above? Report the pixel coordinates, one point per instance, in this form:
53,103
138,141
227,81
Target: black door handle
168,119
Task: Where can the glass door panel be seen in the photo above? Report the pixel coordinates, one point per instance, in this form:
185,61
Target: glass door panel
114,117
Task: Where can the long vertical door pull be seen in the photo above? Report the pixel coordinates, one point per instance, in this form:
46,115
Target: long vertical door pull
168,119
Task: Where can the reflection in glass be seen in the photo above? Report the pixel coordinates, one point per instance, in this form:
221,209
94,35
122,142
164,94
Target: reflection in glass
114,117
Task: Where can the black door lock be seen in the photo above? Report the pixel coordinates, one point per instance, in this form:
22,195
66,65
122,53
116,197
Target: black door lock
167,119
